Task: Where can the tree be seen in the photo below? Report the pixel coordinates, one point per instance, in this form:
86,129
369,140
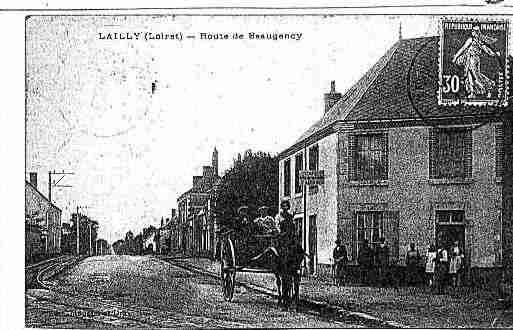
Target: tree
252,181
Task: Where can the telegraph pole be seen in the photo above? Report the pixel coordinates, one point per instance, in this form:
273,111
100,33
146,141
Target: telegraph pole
56,184
78,233
90,238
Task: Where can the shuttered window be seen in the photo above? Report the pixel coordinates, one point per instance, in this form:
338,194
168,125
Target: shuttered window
499,151
286,178
450,153
369,226
372,225
298,166
313,158
368,157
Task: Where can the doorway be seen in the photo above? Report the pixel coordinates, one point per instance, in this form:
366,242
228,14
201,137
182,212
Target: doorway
450,227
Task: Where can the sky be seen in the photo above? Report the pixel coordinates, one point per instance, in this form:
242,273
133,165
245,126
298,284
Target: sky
90,107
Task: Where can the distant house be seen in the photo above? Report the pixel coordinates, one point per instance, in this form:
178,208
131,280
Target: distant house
196,223
425,174
150,240
168,234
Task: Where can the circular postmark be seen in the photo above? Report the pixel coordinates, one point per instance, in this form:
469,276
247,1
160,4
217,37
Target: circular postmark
424,87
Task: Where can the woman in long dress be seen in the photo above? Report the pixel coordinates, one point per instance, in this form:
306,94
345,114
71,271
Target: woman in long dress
456,264
469,57
430,264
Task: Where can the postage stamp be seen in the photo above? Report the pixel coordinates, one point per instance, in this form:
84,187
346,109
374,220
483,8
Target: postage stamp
473,62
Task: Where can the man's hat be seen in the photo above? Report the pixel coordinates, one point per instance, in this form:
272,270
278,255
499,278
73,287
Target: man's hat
243,207
337,241
263,208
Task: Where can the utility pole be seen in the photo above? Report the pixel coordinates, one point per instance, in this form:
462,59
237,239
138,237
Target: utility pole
78,233
90,238
56,184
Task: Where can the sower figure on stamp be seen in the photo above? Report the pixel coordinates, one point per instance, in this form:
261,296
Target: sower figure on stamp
469,57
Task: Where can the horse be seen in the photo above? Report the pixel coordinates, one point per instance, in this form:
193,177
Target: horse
286,268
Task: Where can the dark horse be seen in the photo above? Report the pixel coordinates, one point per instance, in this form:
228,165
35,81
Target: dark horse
286,267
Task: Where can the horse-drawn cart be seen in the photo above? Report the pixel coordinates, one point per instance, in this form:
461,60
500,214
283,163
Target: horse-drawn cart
254,254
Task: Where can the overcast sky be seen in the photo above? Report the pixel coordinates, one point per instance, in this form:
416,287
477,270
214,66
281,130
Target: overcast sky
90,109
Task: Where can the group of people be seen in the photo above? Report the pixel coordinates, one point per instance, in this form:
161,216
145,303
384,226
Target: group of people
264,224
282,227
369,260
283,256
443,265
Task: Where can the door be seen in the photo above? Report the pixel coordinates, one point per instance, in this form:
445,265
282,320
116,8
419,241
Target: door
312,243
450,227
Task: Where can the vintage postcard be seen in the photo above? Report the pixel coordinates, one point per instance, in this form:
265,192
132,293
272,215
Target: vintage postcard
322,169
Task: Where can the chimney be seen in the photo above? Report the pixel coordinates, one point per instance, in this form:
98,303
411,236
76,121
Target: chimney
173,213
33,179
215,162
331,98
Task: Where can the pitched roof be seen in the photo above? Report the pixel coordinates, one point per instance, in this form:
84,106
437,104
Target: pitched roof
382,92
343,107
28,184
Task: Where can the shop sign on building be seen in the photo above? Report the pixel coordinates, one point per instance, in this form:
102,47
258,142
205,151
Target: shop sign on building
311,178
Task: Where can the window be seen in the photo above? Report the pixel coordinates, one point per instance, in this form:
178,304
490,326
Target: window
368,157
372,225
450,153
313,158
369,226
499,151
298,187
286,178
313,165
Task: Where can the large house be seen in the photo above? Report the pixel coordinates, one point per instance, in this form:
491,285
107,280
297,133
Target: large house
42,223
399,166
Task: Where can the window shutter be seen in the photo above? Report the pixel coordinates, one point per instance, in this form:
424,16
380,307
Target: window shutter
468,153
499,151
351,157
434,149
385,155
354,235
391,234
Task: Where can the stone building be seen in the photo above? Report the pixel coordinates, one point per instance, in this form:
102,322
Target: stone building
42,223
399,166
196,223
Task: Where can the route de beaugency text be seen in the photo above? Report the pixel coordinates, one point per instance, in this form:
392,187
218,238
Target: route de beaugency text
179,36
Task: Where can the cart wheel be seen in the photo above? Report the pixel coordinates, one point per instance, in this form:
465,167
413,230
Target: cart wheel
228,269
